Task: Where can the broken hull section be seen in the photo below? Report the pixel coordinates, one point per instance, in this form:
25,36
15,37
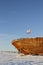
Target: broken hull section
29,45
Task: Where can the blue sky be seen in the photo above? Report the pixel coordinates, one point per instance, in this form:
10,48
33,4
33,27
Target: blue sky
16,16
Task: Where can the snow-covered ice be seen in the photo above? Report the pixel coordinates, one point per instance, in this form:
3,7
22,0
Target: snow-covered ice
9,58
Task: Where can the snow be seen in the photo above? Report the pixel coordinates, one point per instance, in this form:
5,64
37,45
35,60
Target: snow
10,58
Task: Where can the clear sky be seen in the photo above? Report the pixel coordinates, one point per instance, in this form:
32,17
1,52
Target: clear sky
16,16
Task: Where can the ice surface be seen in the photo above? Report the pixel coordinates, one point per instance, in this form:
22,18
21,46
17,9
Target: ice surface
8,58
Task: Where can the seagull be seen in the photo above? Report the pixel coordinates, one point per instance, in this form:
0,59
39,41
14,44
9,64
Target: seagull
28,31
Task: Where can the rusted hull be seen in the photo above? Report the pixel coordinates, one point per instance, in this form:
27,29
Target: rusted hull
29,45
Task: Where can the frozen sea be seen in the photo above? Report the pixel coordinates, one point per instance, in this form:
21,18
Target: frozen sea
10,58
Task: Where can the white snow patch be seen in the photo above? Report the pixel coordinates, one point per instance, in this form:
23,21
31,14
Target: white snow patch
7,58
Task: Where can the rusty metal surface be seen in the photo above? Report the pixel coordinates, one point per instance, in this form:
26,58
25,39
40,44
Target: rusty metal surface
29,45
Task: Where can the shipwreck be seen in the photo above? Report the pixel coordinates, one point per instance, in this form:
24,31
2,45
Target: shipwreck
29,45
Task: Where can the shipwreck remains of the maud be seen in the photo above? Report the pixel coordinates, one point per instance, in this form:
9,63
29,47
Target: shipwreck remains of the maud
29,45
